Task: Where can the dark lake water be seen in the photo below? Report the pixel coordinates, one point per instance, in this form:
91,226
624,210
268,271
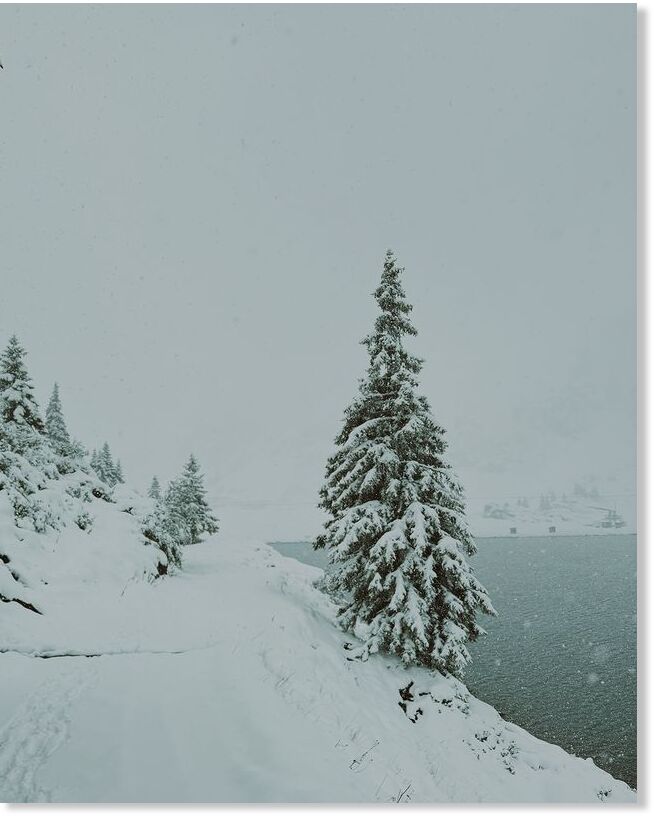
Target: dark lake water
560,657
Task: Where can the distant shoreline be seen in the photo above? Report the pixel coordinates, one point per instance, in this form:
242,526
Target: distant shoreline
605,533
608,532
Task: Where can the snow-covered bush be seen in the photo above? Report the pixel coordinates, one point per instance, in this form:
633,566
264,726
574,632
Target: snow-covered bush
84,520
160,527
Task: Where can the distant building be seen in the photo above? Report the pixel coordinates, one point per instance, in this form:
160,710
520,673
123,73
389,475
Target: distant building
612,520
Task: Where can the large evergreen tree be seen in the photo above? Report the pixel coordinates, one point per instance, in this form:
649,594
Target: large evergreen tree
396,532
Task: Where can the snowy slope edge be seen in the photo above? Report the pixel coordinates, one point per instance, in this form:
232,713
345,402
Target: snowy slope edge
232,677
422,737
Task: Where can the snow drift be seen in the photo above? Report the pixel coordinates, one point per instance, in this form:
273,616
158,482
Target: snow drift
229,682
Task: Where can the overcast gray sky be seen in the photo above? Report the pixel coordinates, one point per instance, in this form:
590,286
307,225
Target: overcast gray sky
195,204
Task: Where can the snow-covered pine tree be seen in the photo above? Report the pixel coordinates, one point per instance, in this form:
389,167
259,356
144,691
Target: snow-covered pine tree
27,461
95,462
155,489
174,502
396,534
56,425
19,413
189,497
161,527
106,469
70,451
118,472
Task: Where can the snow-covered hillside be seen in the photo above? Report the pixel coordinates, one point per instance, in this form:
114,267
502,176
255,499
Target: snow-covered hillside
97,542
228,681
77,580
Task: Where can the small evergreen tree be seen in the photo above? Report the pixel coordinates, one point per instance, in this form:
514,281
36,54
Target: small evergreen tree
27,461
155,489
198,514
71,452
56,425
106,470
160,527
174,502
396,534
19,413
186,497
118,473
77,449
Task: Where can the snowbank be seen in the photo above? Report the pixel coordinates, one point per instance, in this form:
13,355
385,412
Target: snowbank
49,570
229,682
